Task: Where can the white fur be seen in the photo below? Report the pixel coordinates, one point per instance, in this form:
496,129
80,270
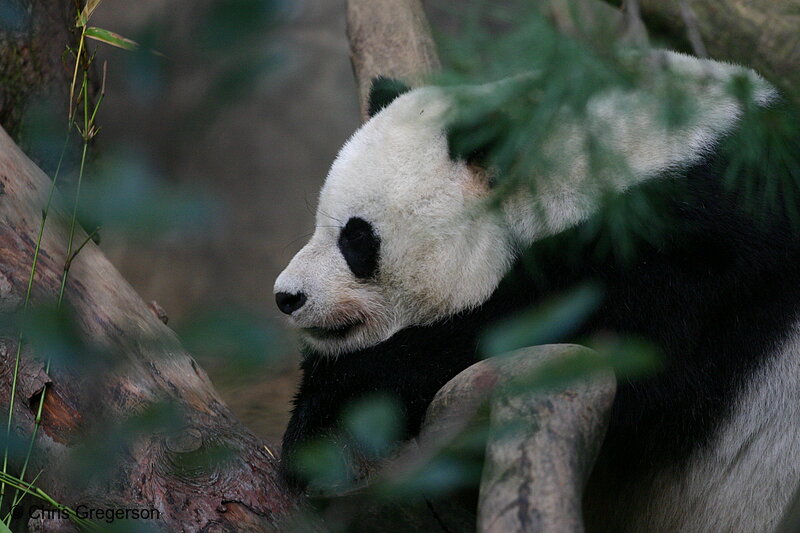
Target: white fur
441,252
741,482
631,126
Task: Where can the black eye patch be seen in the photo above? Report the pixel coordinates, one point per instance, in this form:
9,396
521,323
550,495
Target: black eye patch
360,246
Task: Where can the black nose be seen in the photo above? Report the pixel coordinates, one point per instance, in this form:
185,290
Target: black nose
289,303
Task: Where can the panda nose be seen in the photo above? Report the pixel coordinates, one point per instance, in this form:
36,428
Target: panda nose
289,303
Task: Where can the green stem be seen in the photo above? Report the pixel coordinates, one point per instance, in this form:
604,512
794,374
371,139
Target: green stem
67,263
70,255
88,132
73,224
17,498
25,304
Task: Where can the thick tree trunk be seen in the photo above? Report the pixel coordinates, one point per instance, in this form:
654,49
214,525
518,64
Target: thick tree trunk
34,35
207,473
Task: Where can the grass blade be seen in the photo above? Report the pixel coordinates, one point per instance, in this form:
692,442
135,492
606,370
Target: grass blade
109,37
88,9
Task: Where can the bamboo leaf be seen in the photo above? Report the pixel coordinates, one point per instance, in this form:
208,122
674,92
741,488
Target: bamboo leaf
109,37
88,9
4,528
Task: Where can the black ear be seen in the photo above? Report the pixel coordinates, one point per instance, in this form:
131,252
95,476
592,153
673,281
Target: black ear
383,92
476,137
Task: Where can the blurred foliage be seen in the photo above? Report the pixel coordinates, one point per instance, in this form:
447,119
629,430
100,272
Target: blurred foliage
374,425
369,432
547,323
96,459
767,144
53,331
128,196
555,81
233,342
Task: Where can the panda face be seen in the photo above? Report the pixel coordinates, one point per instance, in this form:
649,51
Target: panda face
402,237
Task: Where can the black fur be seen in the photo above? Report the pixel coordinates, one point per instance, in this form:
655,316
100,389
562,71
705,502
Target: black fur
716,289
383,92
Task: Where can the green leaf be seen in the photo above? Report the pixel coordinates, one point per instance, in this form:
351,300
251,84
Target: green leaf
109,37
4,528
374,422
88,9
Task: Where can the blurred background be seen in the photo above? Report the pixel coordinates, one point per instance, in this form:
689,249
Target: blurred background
249,115
215,136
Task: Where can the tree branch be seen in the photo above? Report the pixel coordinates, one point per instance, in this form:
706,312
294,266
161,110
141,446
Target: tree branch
543,444
761,34
389,38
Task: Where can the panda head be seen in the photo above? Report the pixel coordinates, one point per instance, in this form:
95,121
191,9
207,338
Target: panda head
402,235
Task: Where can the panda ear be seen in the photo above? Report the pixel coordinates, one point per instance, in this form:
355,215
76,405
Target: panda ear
383,91
475,139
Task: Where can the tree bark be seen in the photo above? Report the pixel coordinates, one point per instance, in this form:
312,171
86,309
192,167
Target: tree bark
33,39
761,34
389,38
544,447
542,444
230,483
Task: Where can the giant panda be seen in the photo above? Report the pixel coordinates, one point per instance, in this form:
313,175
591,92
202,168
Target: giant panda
407,268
